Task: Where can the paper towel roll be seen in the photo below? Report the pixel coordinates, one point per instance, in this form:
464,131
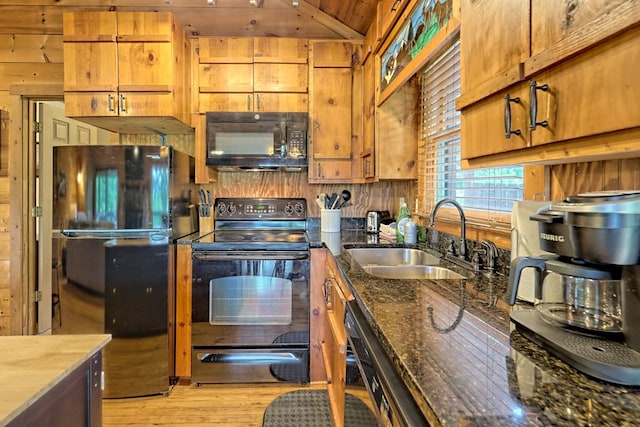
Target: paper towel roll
525,242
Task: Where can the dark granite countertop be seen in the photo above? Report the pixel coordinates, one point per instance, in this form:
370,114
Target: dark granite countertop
452,343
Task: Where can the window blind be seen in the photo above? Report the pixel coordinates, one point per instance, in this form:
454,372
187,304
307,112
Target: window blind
487,194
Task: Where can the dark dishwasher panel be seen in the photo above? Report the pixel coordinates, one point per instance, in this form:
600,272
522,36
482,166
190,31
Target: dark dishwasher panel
392,400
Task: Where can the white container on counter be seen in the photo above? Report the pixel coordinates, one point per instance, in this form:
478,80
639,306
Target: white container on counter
330,220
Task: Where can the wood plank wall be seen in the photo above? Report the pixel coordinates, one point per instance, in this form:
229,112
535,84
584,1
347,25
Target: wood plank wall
31,53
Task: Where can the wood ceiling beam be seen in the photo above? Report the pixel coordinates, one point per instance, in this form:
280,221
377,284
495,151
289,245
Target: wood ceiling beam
327,20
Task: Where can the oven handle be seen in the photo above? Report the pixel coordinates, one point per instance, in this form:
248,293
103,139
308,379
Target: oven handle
249,255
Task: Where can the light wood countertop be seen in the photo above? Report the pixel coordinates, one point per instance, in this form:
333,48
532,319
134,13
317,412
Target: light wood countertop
32,365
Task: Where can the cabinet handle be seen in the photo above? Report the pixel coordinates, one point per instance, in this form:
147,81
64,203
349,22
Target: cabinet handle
507,116
123,103
248,102
319,170
257,102
533,110
328,300
110,101
395,5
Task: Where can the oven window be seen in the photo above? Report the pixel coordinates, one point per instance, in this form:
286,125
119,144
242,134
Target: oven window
250,300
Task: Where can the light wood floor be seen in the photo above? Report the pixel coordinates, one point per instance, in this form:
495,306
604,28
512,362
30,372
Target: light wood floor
208,405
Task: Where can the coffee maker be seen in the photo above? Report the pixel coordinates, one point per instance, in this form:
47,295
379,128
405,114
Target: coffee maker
587,290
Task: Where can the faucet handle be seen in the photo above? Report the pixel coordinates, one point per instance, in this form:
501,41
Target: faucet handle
492,253
452,247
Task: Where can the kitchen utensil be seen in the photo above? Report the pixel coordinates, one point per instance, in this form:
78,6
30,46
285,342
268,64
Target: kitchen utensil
333,202
346,196
320,202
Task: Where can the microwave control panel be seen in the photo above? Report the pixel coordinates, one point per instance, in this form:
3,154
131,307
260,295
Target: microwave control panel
296,142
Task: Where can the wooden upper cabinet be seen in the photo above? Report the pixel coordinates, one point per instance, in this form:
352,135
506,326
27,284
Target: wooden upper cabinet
330,109
577,54
387,15
591,94
506,41
494,39
253,74
562,29
126,65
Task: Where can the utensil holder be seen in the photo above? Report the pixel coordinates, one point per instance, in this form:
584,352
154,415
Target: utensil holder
330,220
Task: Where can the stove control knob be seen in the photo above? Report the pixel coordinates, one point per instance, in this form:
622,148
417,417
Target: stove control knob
288,209
232,209
221,208
299,209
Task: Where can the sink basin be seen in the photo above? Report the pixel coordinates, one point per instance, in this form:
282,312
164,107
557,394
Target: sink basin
411,272
392,256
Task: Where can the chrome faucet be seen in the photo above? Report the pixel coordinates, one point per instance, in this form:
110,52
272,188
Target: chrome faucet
463,225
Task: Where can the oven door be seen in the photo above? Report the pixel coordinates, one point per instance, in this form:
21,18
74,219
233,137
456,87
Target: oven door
250,316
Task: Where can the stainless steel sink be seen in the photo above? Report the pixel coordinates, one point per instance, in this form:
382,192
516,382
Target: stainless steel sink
411,272
392,256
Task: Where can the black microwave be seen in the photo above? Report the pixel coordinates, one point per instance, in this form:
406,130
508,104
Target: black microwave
256,141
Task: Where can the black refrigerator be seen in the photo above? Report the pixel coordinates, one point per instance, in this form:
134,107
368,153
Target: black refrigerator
117,212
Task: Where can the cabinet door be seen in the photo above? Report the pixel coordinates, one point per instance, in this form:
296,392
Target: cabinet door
329,171
335,344
591,94
229,78
285,102
234,102
280,50
145,26
89,26
136,104
331,113
494,40
334,351
91,104
553,21
332,54
145,67
225,50
483,128
280,78
90,67
483,125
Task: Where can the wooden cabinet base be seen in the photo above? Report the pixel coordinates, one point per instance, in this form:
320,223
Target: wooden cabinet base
75,401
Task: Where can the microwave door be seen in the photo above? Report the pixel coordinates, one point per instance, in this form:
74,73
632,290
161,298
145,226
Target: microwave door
244,144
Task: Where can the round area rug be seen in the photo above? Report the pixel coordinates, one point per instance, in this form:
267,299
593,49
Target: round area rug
310,408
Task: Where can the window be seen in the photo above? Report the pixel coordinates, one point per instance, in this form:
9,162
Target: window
159,200
106,201
487,195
